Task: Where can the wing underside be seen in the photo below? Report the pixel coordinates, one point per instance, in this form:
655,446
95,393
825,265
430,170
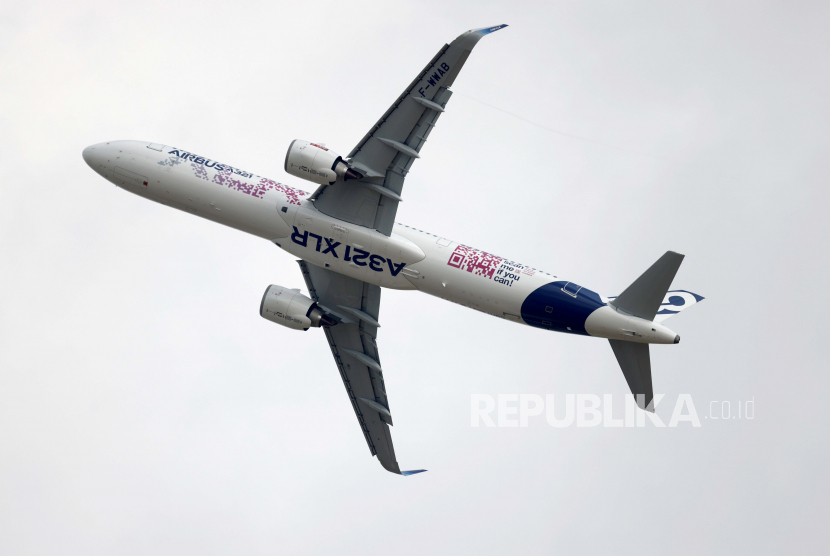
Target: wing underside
355,305
385,154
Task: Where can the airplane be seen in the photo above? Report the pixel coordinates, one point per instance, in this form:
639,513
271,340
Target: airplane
349,246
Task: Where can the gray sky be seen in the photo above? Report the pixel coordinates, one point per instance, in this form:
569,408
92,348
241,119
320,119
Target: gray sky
145,407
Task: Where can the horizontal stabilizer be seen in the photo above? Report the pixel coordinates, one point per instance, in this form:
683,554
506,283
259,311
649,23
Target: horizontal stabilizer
635,363
643,297
413,472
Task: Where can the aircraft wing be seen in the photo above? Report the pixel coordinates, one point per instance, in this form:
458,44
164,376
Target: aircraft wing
385,155
355,305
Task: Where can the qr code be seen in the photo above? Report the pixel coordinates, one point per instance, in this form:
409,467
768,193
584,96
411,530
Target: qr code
475,261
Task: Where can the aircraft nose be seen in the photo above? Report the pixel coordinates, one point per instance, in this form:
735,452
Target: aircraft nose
92,156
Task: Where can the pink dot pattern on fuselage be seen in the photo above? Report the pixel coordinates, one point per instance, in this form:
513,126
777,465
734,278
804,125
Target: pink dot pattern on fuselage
258,190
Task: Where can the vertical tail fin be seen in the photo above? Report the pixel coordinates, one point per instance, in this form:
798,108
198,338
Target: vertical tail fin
635,363
643,297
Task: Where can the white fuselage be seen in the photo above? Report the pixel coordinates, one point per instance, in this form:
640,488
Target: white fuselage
409,259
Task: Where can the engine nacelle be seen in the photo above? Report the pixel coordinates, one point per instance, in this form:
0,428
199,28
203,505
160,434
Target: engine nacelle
316,163
292,309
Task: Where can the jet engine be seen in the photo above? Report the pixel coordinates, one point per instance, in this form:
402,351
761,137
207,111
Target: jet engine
292,309
316,163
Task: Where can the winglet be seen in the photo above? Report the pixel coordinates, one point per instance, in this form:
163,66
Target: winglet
488,30
469,39
414,472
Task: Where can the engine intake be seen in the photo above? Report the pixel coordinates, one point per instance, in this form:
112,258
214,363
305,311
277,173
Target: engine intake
292,309
316,163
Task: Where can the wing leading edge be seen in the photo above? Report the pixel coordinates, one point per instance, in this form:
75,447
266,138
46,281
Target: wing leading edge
355,305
